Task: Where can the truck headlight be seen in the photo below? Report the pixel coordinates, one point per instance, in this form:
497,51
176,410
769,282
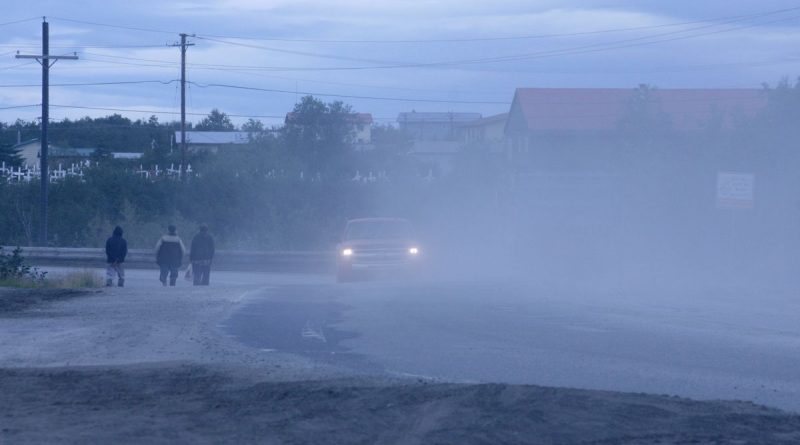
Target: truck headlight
347,252
413,250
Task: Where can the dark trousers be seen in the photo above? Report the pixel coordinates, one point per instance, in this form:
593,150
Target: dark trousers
201,271
173,274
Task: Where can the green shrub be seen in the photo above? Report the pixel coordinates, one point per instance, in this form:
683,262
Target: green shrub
13,268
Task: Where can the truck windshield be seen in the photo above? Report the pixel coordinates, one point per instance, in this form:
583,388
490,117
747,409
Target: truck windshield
378,230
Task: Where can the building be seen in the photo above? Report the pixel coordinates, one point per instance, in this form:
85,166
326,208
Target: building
71,153
28,151
434,126
127,155
546,118
212,141
485,134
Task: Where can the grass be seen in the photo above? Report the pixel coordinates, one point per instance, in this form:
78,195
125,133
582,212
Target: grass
72,280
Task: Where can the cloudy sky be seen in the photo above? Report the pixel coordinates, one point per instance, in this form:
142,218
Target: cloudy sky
256,57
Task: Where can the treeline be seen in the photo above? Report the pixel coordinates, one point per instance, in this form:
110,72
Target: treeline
247,207
287,189
317,141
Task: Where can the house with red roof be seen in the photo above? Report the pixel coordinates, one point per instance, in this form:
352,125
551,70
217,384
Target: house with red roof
543,118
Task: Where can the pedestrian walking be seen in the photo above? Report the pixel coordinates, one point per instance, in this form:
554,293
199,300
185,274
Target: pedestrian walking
201,255
116,250
169,254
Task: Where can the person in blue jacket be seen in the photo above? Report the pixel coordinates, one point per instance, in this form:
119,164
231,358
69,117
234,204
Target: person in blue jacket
116,250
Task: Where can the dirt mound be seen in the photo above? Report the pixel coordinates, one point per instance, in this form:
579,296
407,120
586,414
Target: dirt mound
183,403
16,300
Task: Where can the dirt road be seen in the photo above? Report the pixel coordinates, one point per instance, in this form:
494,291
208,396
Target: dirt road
146,364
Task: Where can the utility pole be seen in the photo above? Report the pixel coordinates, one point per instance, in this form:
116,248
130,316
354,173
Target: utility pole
183,46
46,60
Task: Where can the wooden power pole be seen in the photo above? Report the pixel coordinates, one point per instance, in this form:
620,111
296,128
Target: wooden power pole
183,46
46,60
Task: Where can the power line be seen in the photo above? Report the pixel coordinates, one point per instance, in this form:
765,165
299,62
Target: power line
107,25
584,49
20,21
131,110
600,47
231,69
458,40
83,84
86,46
299,53
347,96
441,40
11,67
161,112
20,106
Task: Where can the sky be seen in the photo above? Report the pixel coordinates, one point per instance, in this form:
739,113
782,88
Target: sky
256,58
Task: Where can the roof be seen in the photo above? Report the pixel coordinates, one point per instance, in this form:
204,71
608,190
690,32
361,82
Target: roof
488,120
356,118
437,117
29,141
60,152
214,137
602,108
126,155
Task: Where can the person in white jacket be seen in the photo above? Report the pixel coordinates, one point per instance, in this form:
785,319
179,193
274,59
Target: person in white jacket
169,254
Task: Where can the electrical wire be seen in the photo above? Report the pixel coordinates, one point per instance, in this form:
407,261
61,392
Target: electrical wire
84,84
20,106
584,49
347,96
160,112
20,21
11,67
107,25
442,40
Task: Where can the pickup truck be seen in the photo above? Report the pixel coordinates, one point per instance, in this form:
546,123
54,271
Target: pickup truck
377,246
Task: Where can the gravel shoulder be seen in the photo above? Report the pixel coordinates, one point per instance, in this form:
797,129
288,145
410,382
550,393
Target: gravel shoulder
151,365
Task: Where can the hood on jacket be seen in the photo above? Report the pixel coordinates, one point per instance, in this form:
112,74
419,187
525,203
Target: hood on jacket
118,231
171,239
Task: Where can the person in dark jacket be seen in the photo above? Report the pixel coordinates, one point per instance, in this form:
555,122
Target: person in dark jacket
116,250
169,254
201,255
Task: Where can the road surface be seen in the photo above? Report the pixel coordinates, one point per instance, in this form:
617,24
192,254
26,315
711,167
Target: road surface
699,345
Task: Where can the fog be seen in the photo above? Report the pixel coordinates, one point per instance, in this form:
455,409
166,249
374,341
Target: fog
607,213
604,197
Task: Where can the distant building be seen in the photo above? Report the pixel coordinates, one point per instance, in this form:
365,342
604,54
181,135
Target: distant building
212,140
543,119
487,133
126,155
70,153
434,126
29,151
360,126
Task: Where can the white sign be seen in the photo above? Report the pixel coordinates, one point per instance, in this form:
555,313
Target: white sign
735,190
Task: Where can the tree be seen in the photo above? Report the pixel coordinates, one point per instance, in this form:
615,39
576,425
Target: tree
10,156
215,121
253,126
320,134
644,124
